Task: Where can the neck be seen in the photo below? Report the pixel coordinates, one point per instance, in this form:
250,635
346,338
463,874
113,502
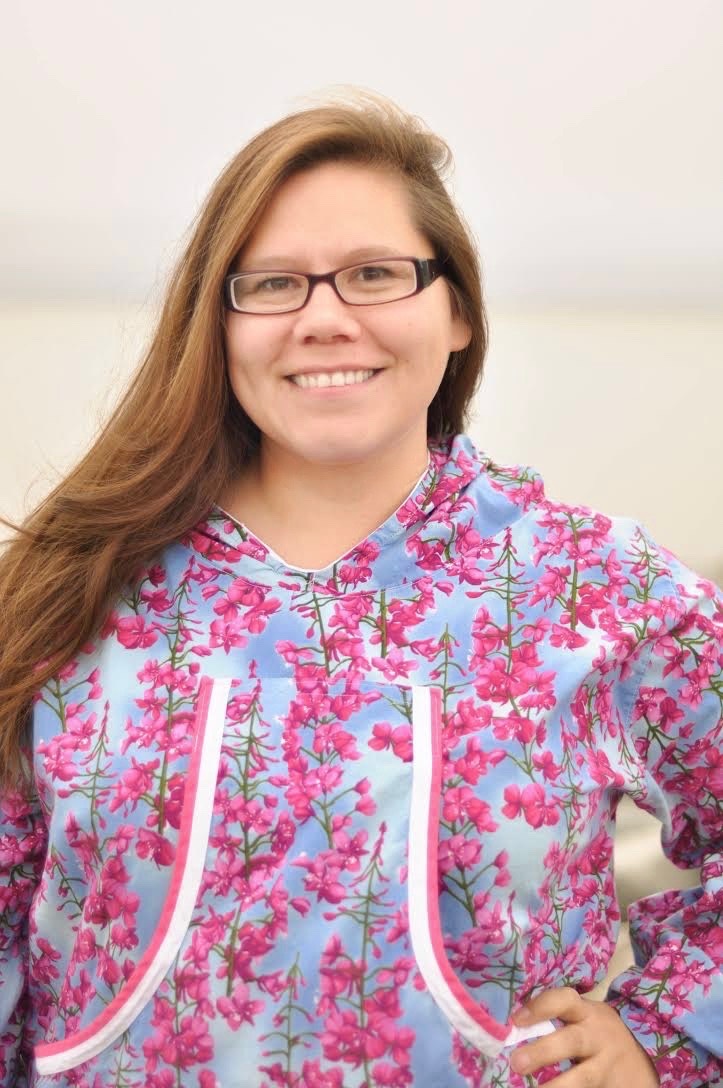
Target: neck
311,513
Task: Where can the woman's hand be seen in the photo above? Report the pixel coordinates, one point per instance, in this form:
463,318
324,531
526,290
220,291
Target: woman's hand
605,1053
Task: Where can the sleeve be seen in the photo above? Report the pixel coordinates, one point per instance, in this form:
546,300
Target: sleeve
672,999
23,843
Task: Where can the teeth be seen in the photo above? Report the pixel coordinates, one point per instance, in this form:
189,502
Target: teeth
337,377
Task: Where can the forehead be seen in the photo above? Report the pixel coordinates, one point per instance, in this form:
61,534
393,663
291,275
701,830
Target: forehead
331,213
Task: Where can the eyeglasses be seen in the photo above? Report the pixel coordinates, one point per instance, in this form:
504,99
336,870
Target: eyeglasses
369,284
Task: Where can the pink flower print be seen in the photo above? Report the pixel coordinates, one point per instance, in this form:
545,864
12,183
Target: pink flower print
398,739
84,991
401,616
532,803
494,682
476,761
397,1040
120,842
107,967
79,732
321,877
590,599
299,796
240,1008
44,968
460,803
459,852
324,779
469,717
353,574
256,619
366,805
84,843
344,1039
545,762
489,922
350,849
487,636
111,900
340,974
330,737
227,635
600,770
157,600
503,875
394,665
190,1044
469,953
696,682
312,1076
391,1076
675,654
428,648
68,671
367,553
291,653
133,784
56,763
85,945
163,1079
565,636
550,585
132,632
400,924
152,845
122,937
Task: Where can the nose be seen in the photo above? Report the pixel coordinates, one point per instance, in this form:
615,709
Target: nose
325,314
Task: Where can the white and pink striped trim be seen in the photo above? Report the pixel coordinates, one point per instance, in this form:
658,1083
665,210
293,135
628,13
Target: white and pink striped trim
176,915
471,1021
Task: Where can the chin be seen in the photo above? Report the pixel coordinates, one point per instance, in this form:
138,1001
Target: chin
339,452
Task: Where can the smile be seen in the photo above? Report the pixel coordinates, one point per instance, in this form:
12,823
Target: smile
336,377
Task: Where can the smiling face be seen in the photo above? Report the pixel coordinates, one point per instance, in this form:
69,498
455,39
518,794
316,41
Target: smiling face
316,220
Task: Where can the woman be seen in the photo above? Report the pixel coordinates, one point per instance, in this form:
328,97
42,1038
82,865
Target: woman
325,715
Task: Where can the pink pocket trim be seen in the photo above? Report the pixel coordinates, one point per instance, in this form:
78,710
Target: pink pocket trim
471,1021
175,917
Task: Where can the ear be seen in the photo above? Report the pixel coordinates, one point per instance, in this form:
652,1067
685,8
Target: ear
461,334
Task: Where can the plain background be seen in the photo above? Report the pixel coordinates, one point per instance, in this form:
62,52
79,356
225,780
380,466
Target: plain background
587,162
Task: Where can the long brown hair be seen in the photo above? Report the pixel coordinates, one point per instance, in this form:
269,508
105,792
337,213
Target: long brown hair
178,434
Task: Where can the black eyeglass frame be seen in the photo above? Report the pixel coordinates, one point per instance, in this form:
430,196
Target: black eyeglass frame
427,269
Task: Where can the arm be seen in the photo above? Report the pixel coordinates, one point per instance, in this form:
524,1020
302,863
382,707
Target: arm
22,852
672,999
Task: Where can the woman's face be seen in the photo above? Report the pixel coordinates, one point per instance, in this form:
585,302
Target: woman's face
313,224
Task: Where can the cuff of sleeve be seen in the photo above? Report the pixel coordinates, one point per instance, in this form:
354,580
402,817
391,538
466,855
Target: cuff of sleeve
678,1061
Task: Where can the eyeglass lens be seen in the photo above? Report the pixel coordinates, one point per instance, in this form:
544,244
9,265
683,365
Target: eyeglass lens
363,284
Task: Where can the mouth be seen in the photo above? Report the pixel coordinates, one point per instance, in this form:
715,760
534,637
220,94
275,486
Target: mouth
334,380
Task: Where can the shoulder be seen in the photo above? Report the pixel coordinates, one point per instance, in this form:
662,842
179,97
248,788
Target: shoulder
613,558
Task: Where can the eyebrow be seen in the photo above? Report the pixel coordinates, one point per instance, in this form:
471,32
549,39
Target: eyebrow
283,263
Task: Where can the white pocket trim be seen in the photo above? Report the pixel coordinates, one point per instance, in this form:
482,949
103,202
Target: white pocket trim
177,911
472,1022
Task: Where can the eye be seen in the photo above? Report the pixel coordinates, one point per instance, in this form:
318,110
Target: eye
283,280
374,268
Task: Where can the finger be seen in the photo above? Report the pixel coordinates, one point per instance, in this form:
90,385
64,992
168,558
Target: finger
563,1003
570,1043
586,1075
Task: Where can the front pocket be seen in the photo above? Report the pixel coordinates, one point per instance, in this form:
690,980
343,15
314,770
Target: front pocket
183,889
472,1021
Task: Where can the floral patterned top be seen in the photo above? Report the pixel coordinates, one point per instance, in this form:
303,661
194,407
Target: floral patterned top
329,829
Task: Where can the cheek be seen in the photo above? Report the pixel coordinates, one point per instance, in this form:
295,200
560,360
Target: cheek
245,360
